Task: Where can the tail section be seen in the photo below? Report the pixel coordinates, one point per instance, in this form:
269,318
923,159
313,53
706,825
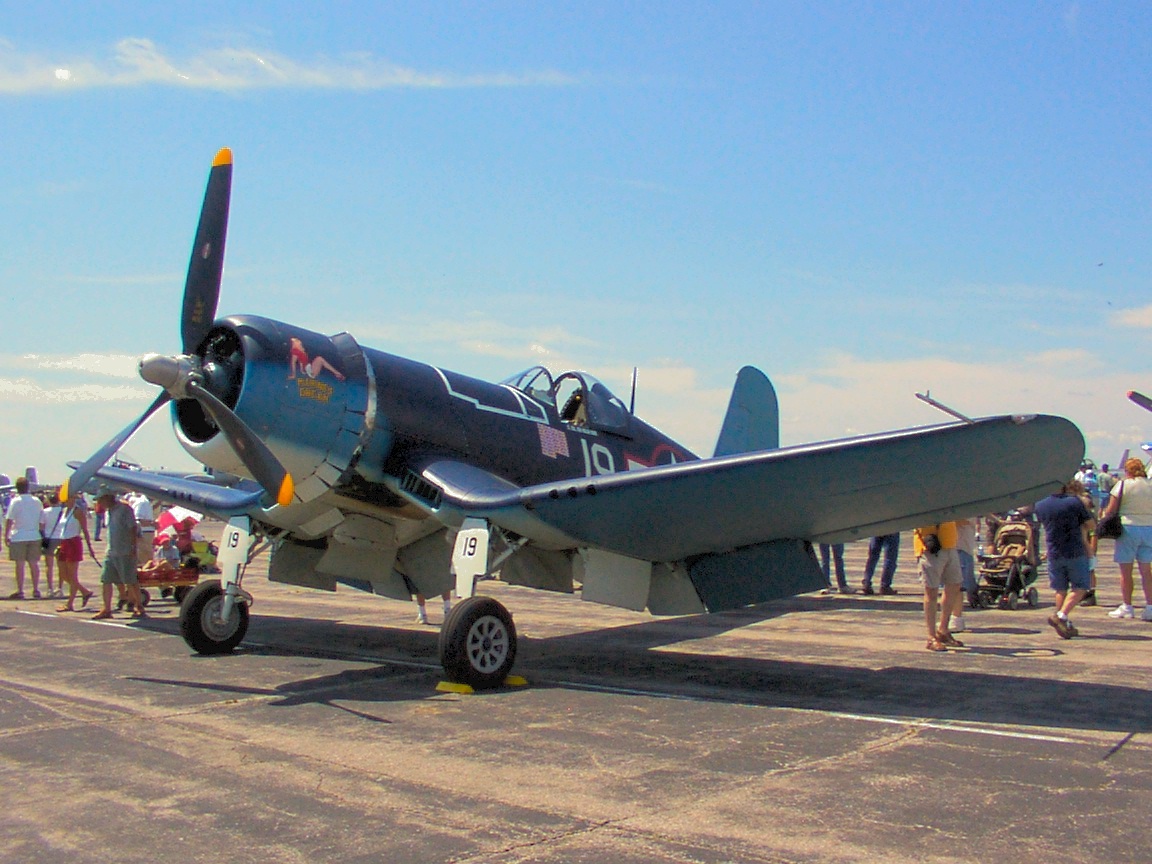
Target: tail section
753,419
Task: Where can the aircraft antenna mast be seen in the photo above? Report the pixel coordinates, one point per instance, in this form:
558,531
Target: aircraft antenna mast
926,396
632,404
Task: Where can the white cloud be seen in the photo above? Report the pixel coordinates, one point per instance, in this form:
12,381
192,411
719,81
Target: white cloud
1139,318
136,62
29,391
112,365
57,379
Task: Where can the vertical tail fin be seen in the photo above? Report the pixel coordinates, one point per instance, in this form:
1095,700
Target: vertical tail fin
753,419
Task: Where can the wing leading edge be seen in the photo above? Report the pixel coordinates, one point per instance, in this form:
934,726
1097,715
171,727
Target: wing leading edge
828,492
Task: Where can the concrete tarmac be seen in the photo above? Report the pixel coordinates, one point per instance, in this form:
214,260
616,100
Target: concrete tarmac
813,729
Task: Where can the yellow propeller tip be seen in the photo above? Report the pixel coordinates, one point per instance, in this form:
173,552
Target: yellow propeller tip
287,490
64,496
223,157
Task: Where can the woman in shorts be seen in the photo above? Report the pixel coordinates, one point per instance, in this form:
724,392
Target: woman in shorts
70,553
1132,497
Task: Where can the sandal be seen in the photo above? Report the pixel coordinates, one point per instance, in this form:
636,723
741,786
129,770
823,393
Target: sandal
935,645
946,638
87,597
101,615
65,608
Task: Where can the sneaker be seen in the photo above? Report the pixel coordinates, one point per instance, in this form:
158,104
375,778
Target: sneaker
888,590
1122,611
447,607
1147,616
956,624
1060,626
421,616
1072,631
1089,599
865,588
16,595
844,589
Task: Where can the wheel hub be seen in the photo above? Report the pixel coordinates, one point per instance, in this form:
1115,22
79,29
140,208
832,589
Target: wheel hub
487,644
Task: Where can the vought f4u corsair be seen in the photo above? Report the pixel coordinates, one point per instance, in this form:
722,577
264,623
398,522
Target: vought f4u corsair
377,472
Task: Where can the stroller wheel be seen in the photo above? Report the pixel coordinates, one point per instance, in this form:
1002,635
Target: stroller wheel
1013,600
1033,598
973,600
985,599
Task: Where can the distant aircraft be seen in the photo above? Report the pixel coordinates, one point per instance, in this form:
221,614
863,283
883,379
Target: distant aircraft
7,486
381,473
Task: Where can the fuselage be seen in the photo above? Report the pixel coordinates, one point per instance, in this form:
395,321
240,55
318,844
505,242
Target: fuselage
344,417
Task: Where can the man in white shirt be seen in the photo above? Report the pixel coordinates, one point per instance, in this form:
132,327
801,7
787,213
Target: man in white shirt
22,534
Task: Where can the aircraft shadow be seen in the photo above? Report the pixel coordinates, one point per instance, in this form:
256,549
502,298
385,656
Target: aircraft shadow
637,657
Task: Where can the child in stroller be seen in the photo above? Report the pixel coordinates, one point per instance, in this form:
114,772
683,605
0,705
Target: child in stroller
1007,572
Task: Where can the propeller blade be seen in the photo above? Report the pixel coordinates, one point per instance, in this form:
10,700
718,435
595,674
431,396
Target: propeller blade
1140,399
254,453
87,470
202,287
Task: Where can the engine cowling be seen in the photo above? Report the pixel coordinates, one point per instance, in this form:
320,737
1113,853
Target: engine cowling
308,396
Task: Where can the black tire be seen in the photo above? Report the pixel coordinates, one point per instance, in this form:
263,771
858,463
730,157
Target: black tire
1033,598
200,623
1013,599
478,643
987,601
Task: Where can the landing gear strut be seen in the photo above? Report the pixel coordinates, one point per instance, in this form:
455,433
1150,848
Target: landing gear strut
478,643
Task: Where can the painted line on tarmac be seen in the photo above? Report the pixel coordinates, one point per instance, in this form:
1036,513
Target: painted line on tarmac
948,727
840,715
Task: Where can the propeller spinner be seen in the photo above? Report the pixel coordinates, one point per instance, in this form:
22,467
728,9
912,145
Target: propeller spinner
183,376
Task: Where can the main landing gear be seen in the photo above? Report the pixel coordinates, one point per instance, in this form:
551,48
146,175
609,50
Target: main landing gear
205,625
478,643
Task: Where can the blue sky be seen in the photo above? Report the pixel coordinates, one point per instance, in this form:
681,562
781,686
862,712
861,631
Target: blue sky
862,199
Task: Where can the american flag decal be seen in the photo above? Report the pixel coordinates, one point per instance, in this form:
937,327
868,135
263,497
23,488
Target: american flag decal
553,442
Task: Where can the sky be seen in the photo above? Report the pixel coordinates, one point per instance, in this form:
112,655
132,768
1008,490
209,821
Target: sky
863,199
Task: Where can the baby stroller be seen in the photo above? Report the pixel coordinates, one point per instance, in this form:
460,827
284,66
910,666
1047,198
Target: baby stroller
1007,574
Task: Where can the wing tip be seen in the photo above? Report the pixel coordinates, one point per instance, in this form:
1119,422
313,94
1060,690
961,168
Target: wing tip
223,157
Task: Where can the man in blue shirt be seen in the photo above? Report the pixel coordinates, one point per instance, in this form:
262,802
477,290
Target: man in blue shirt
1065,520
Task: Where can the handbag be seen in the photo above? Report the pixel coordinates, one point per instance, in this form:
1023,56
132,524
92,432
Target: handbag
1110,527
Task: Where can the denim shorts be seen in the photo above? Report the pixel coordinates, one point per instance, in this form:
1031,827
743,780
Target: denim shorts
1134,544
1065,573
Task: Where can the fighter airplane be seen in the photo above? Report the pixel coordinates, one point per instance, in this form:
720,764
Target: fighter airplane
384,474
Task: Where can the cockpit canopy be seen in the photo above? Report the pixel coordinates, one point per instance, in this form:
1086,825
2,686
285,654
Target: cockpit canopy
582,400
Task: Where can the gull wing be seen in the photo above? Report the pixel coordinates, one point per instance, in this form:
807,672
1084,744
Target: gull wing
827,492
221,501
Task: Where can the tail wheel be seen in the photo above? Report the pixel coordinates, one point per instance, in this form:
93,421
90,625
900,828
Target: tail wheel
201,625
478,643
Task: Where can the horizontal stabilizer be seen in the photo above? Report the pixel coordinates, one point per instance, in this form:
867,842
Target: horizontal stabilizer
752,422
